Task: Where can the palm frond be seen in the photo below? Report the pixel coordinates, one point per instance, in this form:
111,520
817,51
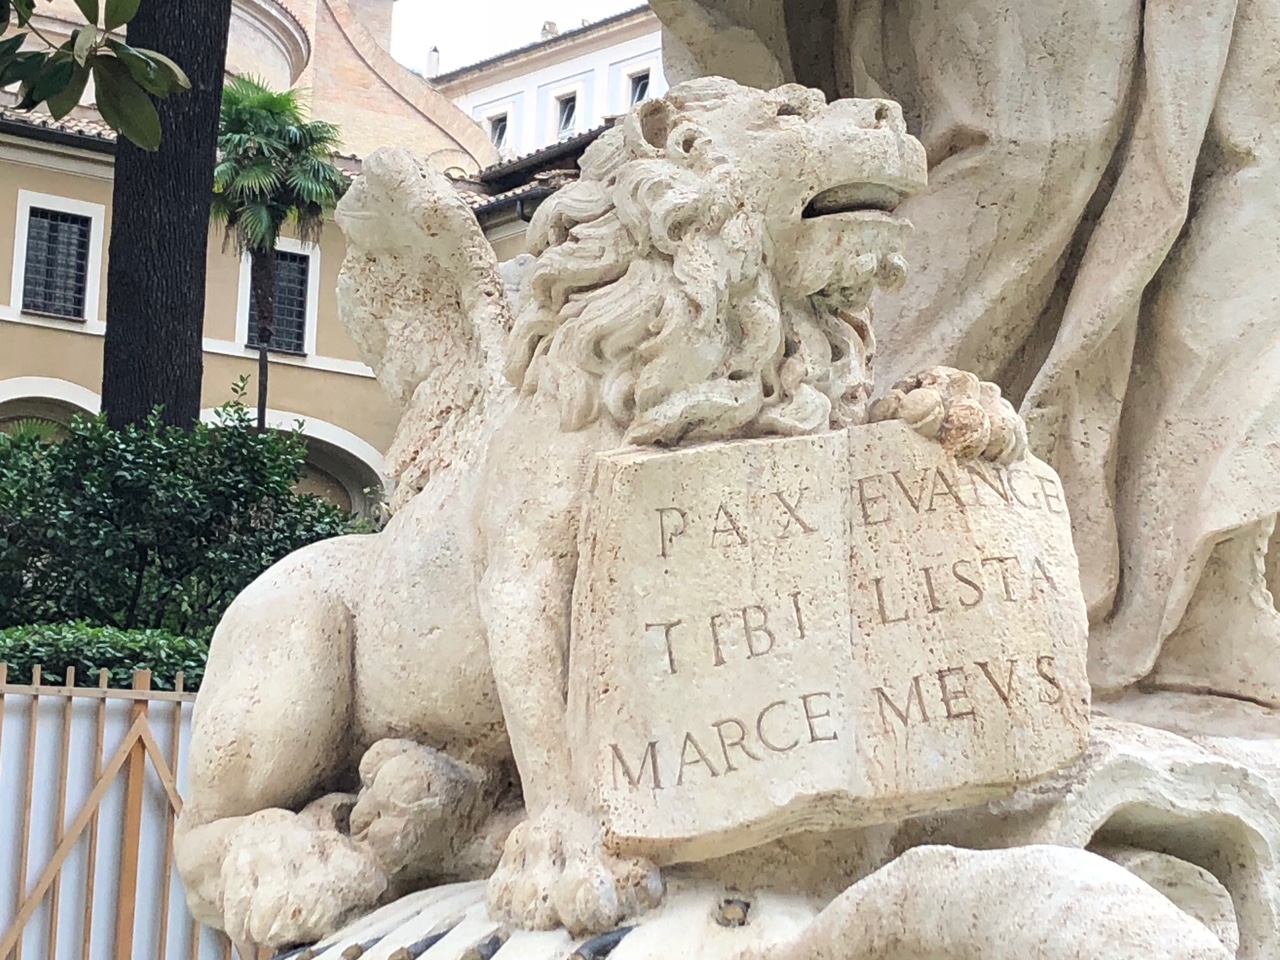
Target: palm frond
274,167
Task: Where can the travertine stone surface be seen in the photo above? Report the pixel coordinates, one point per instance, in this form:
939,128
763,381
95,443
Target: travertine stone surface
1192,888
663,584
966,594
704,281
712,692
1209,801
1030,903
1099,238
809,633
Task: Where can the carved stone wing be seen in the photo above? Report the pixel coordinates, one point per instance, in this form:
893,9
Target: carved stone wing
421,295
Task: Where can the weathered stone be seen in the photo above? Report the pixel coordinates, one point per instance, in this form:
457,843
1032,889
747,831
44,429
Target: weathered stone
450,626
776,635
1100,238
1192,888
966,592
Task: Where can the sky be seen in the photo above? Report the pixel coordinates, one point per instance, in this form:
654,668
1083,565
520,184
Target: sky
474,30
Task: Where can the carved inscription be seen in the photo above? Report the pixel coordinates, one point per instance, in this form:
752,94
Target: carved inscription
960,585
731,744
970,691
728,527
746,632
772,635
881,497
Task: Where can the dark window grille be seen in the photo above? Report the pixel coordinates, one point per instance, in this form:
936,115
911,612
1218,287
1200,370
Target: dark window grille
639,88
290,332
56,274
568,120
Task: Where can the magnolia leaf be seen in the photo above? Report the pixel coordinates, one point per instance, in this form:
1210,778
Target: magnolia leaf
26,10
85,40
11,46
50,79
6,11
120,12
66,100
22,67
154,72
140,68
167,68
124,105
90,10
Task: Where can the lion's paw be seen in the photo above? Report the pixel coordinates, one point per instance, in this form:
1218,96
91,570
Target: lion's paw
966,415
285,882
555,872
416,806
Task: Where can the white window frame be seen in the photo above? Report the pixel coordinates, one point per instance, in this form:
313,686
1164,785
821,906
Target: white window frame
559,101
577,89
490,118
634,75
312,328
97,214
621,72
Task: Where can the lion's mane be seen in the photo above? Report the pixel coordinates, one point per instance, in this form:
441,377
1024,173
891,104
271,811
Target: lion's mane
652,301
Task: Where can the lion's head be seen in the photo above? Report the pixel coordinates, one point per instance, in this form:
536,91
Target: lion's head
709,273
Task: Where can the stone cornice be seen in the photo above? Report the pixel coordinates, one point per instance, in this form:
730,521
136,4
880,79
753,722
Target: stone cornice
281,27
620,28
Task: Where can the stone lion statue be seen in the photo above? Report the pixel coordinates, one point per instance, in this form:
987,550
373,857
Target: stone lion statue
384,711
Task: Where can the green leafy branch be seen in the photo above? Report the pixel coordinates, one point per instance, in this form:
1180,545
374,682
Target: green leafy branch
125,78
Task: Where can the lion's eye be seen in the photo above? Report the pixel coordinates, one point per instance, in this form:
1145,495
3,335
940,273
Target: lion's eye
787,110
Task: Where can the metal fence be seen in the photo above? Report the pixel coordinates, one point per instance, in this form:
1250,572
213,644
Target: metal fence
91,781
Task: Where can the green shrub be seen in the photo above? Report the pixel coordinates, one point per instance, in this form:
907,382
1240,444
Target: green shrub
54,647
150,527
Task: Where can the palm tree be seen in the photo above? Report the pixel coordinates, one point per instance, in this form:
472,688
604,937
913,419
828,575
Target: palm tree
274,168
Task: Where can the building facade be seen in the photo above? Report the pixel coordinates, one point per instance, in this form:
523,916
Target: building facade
55,219
563,86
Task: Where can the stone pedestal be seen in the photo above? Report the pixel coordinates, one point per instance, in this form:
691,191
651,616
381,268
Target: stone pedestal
772,636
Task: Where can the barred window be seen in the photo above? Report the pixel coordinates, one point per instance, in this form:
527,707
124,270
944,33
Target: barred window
293,271
56,275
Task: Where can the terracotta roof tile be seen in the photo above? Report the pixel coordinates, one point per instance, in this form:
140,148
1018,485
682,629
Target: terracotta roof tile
95,129
72,126
578,142
541,184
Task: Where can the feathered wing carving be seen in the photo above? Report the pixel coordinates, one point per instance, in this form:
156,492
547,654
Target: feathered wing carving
422,296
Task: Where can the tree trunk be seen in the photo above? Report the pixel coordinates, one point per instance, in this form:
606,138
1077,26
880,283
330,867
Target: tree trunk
153,351
262,287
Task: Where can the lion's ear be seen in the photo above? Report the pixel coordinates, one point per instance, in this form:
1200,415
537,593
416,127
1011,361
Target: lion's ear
648,127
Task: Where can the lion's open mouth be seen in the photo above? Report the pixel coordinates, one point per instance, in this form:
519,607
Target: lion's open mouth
854,198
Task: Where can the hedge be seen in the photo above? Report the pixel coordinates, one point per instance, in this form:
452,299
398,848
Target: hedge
149,527
90,649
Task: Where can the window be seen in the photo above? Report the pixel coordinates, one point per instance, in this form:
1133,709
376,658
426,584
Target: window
640,88
293,274
567,125
498,131
56,273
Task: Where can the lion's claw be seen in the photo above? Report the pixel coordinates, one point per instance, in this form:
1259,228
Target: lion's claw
555,872
967,416
287,882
